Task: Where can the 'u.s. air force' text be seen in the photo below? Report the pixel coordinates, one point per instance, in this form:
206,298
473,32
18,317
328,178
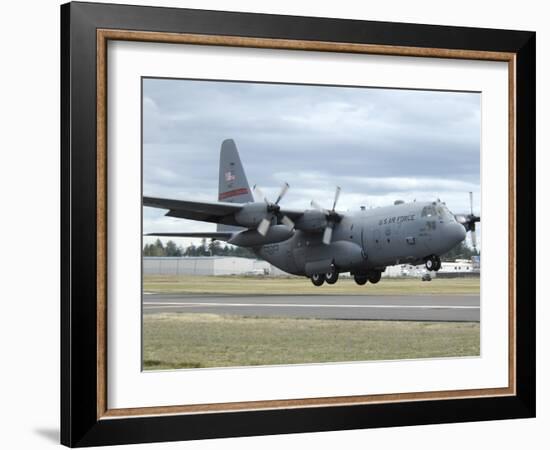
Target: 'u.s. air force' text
396,219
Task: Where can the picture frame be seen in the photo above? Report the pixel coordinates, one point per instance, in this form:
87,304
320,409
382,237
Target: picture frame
86,418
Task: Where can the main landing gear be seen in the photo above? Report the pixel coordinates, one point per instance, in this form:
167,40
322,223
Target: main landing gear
372,277
433,263
318,279
330,277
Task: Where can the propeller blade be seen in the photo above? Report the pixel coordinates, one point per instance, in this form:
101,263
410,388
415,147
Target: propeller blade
471,203
288,222
317,205
327,235
336,197
264,226
284,190
473,236
259,194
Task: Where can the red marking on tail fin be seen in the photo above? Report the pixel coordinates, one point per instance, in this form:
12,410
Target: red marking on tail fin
233,193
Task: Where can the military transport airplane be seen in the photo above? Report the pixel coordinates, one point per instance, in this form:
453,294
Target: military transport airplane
316,242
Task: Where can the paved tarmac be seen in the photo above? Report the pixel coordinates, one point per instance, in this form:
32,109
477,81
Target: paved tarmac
449,308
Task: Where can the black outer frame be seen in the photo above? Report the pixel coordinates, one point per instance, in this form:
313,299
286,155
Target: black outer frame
79,423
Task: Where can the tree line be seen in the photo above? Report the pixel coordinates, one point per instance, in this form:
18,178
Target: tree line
214,248
461,251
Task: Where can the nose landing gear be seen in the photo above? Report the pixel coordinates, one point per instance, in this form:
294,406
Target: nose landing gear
433,263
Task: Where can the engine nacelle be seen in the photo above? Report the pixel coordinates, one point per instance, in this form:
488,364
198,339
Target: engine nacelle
251,214
312,220
251,238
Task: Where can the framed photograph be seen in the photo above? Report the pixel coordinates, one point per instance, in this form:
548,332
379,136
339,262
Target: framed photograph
277,224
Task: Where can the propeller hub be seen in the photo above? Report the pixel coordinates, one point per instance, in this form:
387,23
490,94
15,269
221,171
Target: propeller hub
332,217
273,208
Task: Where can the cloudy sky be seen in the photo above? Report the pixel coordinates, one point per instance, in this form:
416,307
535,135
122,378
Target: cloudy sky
379,145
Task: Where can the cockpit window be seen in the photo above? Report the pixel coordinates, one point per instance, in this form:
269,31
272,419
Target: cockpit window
428,211
446,214
438,210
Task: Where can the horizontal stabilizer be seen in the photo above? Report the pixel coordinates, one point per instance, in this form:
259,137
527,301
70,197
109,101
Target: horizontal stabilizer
216,212
217,235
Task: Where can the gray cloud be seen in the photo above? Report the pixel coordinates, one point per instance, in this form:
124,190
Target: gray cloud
377,144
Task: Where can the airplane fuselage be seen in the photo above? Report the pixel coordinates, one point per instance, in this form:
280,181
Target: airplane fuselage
370,240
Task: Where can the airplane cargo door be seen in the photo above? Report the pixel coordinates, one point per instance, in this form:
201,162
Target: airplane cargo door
364,245
371,243
299,254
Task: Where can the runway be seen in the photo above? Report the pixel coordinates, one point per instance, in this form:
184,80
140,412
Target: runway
448,308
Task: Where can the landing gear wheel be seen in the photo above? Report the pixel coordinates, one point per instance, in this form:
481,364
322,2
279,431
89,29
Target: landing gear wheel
360,279
318,279
433,263
430,264
332,276
374,277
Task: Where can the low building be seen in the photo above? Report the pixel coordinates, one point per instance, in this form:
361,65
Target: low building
208,265
404,270
459,265
230,265
457,268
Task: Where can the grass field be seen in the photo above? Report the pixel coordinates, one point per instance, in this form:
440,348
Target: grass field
178,340
295,285
192,340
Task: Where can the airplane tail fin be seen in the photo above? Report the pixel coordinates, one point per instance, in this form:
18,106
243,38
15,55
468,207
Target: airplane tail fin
233,185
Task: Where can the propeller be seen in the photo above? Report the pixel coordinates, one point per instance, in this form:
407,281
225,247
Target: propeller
332,216
469,221
272,209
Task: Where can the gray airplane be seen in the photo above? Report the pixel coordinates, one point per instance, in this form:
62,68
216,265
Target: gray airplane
316,242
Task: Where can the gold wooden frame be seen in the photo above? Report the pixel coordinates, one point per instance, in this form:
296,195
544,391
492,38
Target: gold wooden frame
104,35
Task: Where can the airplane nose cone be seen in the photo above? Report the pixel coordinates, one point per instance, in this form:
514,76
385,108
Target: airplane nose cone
456,232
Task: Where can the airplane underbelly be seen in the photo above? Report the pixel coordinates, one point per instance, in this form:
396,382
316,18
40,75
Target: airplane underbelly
319,257
280,255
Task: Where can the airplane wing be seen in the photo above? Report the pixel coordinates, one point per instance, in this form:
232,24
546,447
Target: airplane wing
294,214
217,235
215,212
